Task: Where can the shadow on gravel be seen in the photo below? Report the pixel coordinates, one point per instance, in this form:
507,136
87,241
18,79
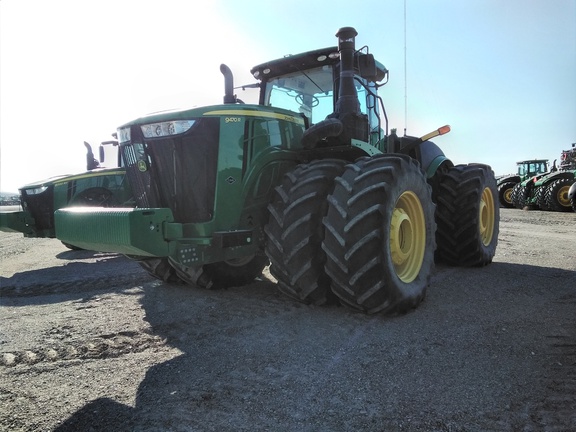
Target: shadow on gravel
74,280
70,255
486,351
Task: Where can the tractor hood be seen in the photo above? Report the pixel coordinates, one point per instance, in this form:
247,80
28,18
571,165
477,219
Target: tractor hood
69,177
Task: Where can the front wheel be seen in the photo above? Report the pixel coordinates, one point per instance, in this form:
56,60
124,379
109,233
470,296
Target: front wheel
223,274
505,194
467,216
160,269
379,234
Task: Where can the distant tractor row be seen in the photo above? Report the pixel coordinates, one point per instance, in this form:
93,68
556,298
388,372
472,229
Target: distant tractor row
538,187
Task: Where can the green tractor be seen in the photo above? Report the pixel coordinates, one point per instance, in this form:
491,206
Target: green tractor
548,191
526,169
308,180
95,187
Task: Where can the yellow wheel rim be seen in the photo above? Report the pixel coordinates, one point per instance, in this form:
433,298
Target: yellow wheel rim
563,196
508,195
407,237
486,216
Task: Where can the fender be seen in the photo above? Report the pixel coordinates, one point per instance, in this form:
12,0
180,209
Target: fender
508,178
546,179
431,157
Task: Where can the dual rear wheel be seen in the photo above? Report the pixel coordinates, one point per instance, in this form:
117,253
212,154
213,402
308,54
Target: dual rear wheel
374,247
467,216
294,231
361,232
379,235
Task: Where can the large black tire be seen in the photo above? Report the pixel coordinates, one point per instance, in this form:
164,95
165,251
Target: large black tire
505,194
295,232
518,200
540,198
161,269
379,234
557,195
223,274
467,216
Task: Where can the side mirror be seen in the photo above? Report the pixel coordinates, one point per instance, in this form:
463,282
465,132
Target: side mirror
367,66
101,153
370,69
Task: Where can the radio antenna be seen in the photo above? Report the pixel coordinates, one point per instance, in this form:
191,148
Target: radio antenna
405,77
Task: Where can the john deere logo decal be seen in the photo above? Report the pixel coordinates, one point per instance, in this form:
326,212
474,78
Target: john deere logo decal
142,166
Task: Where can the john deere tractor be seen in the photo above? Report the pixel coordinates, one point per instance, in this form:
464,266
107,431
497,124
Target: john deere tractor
548,191
308,180
526,169
95,187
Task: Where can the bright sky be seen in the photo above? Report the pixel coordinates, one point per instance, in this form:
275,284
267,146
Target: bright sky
501,73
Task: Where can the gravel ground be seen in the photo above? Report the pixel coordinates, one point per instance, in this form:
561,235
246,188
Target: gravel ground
89,342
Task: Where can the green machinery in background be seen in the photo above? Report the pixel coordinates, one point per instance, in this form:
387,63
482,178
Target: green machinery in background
550,190
96,187
526,169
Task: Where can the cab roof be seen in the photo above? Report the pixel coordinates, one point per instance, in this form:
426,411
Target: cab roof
312,59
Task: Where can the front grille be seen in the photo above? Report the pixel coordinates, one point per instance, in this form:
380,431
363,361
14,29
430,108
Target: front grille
41,207
176,172
139,180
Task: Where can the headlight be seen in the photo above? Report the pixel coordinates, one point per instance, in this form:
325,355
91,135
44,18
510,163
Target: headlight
163,129
123,135
35,191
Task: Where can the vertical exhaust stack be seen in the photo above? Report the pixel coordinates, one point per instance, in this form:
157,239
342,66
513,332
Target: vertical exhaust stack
229,97
348,107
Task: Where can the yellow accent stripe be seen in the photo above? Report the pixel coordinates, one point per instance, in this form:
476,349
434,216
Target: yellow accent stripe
255,113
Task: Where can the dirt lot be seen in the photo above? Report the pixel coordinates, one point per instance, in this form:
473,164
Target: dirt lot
89,342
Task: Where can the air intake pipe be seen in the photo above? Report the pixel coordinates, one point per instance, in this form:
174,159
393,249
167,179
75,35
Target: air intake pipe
348,107
347,97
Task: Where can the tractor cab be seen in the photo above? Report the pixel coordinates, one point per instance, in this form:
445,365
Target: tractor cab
309,84
530,168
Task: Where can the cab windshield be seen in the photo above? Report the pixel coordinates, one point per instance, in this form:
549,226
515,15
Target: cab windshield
532,168
309,93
